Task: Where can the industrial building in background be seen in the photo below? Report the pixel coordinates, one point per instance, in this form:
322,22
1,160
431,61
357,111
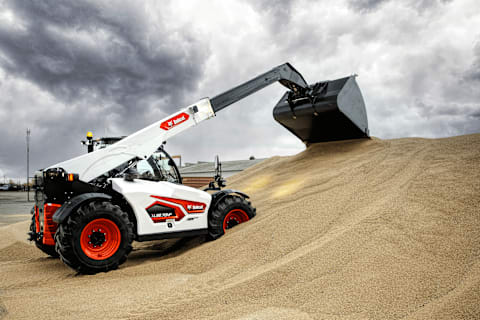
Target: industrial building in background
202,173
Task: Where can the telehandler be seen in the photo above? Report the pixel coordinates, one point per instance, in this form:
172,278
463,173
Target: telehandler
89,209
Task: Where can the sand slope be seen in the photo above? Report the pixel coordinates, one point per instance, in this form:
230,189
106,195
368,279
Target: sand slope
347,230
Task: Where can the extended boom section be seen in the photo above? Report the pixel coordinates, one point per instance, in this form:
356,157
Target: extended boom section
285,74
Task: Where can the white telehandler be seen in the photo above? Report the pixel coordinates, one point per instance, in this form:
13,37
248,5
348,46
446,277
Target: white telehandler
89,209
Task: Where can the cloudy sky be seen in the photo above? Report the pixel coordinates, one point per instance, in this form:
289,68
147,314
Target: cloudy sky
113,67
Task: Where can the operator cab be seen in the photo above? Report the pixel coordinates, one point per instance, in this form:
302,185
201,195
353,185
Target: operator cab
160,166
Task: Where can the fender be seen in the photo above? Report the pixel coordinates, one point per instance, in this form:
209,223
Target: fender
70,206
218,196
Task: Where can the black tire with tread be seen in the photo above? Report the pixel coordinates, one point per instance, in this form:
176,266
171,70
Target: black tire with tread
50,250
67,237
218,214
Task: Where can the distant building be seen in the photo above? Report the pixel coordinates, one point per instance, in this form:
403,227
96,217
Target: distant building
201,173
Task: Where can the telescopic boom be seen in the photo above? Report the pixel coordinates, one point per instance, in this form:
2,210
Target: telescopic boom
285,74
329,110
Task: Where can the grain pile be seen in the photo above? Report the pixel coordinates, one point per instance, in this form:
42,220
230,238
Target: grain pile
366,229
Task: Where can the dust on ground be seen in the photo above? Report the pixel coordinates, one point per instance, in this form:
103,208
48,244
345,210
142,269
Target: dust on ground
364,229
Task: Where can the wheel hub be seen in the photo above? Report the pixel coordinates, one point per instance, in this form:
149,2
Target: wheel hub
232,222
97,237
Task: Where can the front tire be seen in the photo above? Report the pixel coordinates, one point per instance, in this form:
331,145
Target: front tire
96,237
229,212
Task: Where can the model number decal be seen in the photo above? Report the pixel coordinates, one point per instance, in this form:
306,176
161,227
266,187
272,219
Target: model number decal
174,121
162,215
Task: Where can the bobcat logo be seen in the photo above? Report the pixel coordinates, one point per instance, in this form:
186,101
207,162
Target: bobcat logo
191,207
174,121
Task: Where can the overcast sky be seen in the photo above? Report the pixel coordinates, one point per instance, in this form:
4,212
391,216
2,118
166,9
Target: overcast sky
113,67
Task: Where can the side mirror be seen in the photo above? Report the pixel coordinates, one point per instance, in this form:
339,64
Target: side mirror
218,182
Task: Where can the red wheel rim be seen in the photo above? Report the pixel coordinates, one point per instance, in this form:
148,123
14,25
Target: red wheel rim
100,239
234,217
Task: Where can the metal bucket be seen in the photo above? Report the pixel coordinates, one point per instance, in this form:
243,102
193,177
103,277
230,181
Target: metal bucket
332,110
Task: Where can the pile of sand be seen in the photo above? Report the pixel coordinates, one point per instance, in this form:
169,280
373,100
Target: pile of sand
365,229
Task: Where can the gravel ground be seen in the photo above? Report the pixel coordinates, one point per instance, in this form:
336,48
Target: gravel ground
365,229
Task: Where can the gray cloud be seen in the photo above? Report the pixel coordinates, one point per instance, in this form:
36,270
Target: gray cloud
449,110
456,108
367,6
473,74
75,49
442,92
277,13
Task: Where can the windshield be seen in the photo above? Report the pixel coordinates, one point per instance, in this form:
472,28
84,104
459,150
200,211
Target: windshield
165,166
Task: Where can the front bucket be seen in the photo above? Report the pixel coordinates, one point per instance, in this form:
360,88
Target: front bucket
334,110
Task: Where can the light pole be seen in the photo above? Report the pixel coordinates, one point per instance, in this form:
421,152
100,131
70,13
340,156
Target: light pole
28,164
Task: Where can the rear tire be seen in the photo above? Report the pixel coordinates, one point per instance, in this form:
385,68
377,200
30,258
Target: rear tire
97,237
50,250
230,211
